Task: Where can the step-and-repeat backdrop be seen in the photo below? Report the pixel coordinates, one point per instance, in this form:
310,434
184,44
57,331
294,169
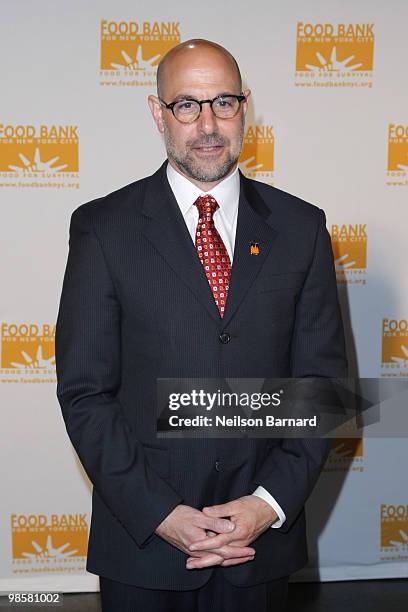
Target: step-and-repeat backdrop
328,122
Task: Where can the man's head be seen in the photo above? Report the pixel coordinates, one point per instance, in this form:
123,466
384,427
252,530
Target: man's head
207,149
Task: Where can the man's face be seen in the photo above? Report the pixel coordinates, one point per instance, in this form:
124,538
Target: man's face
207,149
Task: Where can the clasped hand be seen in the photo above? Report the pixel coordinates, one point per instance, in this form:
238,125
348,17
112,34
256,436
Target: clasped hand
209,538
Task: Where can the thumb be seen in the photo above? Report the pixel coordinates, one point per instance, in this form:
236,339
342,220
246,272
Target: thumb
221,525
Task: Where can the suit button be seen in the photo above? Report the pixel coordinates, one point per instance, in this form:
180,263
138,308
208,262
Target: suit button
224,337
217,466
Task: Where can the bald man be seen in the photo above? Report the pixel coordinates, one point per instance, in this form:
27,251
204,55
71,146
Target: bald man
162,282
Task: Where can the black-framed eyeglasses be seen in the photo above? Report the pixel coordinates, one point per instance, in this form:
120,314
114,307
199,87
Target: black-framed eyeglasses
188,110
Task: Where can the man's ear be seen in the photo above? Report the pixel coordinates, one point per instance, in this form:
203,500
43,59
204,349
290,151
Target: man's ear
247,93
157,111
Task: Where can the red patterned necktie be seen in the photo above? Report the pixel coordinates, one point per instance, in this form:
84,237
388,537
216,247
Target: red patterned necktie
212,252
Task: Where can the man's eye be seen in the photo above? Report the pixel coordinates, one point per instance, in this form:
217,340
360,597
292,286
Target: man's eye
224,102
186,106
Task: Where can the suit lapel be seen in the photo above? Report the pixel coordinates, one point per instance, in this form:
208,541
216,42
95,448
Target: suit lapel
165,228
252,226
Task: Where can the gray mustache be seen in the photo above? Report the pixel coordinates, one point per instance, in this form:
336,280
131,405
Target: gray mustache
208,142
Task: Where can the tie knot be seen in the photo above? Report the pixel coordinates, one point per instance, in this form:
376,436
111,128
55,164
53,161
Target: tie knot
206,205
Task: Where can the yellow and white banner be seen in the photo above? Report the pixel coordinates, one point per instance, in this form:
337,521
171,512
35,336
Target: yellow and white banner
328,122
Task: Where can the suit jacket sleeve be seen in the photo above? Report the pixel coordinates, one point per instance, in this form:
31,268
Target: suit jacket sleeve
292,468
88,373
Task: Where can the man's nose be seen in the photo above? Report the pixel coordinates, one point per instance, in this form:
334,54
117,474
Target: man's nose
207,121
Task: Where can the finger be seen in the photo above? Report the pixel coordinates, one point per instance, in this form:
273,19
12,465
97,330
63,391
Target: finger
236,561
219,525
227,552
239,543
216,542
234,552
202,555
221,509
206,561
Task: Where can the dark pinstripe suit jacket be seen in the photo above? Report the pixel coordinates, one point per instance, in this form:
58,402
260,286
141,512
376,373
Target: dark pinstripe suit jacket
135,306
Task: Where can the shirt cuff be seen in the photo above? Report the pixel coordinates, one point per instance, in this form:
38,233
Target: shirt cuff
263,494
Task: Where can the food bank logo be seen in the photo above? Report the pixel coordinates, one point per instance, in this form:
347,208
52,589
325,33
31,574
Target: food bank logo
131,50
349,448
332,55
349,244
394,531
27,352
346,453
54,542
257,158
394,354
397,164
39,155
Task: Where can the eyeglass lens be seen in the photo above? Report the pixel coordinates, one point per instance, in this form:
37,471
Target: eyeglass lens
223,107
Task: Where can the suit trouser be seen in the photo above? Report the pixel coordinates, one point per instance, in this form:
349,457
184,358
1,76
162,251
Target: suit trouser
217,595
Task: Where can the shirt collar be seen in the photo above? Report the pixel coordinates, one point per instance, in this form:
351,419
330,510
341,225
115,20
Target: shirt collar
226,192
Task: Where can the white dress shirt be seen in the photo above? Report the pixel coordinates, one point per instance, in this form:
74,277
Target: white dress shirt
226,193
